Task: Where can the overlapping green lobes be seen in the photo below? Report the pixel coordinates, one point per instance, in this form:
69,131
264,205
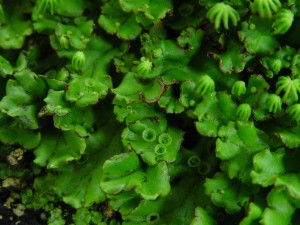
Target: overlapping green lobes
223,69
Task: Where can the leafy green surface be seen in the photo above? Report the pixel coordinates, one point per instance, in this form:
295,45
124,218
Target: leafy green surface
256,36
236,146
227,193
213,112
153,10
57,148
232,60
123,172
150,112
115,21
15,28
134,138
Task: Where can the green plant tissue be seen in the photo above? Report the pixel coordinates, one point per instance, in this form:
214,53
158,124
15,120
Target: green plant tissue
150,112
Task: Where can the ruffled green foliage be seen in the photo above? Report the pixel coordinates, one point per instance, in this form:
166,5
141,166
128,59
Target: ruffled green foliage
227,193
232,60
16,26
115,21
153,10
153,140
76,36
184,206
6,67
236,146
57,148
11,133
142,112
256,36
123,173
213,112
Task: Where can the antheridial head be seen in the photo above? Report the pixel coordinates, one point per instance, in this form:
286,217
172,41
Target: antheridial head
276,65
64,42
294,111
160,149
274,103
205,85
149,135
243,112
157,53
165,139
145,66
47,4
283,21
238,88
194,161
78,60
153,217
